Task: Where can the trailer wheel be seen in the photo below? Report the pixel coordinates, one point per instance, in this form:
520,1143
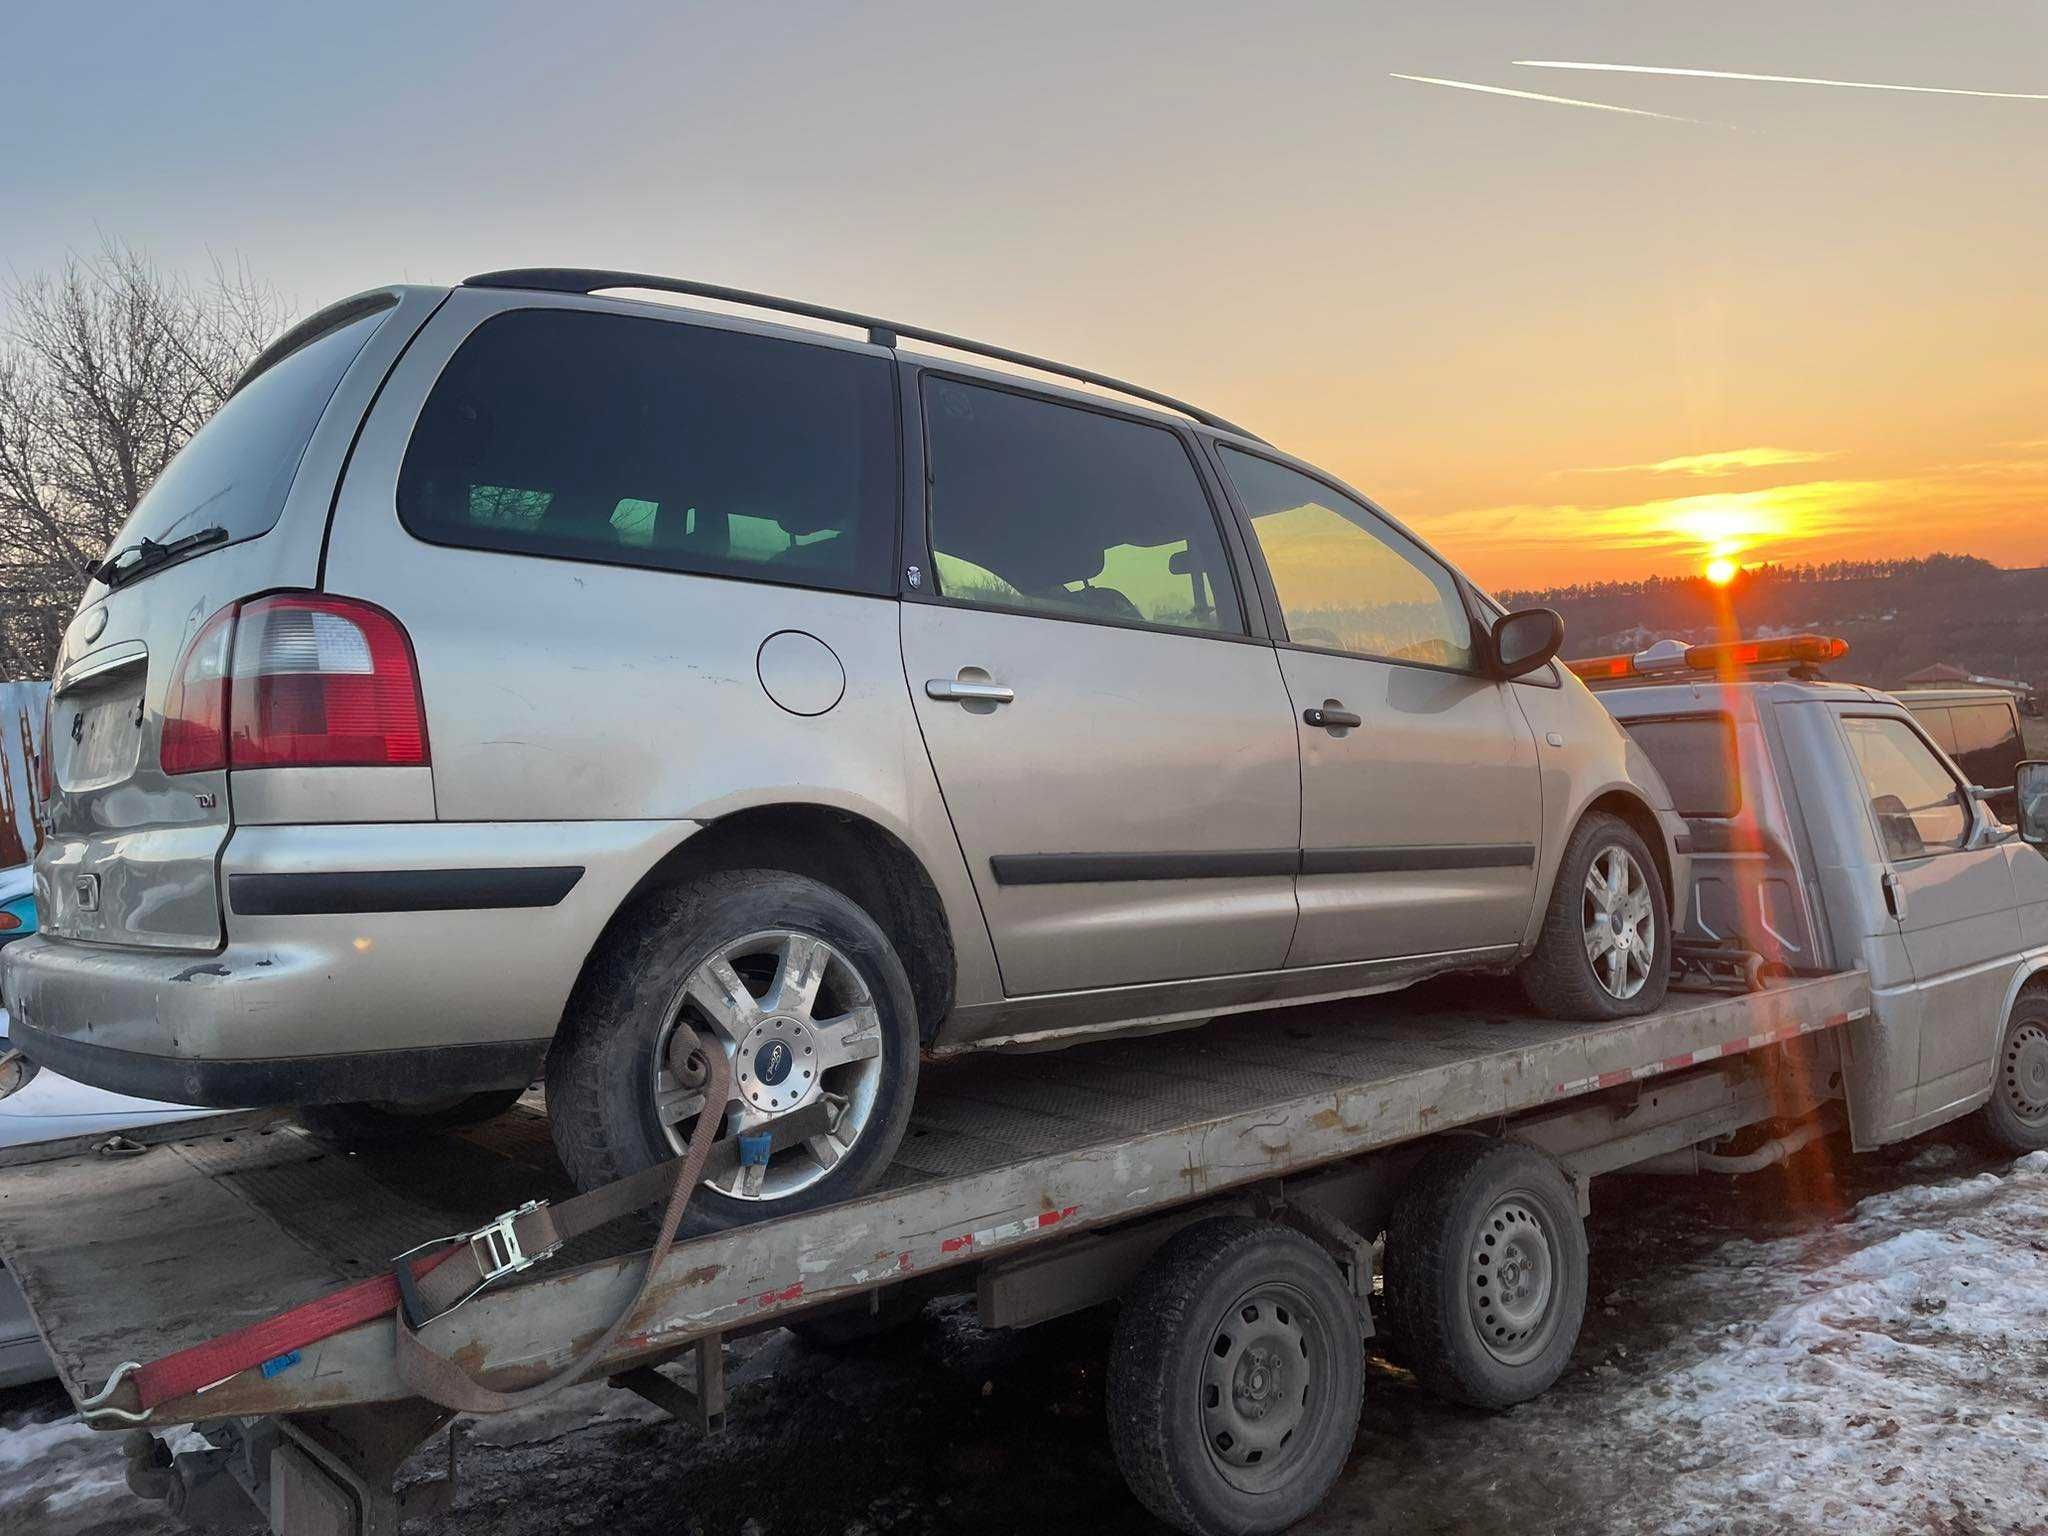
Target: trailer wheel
1235,1378
2016,1118
1486,1272
803,992
1605,948
383,1125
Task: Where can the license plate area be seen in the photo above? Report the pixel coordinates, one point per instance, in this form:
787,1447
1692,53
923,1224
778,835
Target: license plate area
99,735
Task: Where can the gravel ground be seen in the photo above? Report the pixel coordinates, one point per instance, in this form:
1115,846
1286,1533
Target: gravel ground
1842,1345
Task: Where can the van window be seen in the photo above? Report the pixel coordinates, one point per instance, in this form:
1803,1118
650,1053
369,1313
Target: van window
1918,805
1347,579
1058,509
625,441
1988,747
237,469
1696,756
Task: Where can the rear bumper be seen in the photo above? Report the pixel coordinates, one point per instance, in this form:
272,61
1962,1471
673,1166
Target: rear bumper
402,961
430,1073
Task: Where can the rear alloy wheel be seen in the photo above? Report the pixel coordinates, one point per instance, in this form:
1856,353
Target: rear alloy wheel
2017,1115
1235,1378
1605,948
797,1020
807,999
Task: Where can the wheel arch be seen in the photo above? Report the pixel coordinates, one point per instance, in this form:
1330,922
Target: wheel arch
853,854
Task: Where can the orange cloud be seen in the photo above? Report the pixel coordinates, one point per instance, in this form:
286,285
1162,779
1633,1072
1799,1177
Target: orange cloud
1726,462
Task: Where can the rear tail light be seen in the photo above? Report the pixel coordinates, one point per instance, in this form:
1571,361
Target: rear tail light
298,680
196,711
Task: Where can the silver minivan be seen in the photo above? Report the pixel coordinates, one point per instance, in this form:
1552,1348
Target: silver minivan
515,676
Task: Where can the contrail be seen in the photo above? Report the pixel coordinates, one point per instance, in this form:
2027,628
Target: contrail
1730,74
1561,101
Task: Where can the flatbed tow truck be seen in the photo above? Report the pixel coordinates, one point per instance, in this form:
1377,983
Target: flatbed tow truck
1044,1184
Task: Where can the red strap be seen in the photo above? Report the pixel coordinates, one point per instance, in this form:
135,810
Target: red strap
321,1318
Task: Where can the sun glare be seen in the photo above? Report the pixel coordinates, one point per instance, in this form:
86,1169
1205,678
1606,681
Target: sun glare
1721,572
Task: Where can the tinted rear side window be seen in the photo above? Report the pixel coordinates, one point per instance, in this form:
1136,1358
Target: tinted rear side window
607,438
1696,755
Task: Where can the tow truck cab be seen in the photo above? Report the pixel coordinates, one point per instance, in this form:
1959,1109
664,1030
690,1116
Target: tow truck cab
1830,830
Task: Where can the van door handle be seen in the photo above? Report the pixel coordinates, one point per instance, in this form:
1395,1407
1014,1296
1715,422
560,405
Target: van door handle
958,690
1894,895
1332,719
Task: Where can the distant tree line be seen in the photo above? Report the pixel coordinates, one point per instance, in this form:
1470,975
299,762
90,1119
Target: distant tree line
1923,567
106,368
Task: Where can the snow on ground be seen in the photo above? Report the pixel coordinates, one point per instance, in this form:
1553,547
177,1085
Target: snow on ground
1847,1345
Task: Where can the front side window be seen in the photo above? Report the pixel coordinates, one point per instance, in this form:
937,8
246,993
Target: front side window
1349,581
1918,804
610,438
1057,509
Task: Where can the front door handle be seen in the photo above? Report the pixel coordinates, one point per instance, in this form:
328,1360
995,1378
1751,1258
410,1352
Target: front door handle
959,690
1331,718
1894,895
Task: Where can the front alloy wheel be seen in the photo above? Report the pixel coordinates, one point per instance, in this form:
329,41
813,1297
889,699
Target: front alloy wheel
1620,923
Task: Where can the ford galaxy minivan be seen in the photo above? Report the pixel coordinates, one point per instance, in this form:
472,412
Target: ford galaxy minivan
520,675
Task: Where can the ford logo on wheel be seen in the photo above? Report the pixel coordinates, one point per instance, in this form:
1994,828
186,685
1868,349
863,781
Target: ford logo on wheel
772,1062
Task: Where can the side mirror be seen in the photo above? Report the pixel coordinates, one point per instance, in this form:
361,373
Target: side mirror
2030,789
1526,640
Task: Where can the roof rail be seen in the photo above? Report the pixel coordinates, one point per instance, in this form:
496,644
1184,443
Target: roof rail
883,333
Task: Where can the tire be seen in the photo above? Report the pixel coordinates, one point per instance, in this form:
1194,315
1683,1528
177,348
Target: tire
1559,978
383,1125
2016,1117
1255,1303
1468,1205
606,1066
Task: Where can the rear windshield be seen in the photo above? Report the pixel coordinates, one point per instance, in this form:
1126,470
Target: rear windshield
609,438
1984,739
1696,755
236,470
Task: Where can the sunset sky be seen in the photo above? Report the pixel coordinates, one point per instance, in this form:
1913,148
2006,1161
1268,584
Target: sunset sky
1783,321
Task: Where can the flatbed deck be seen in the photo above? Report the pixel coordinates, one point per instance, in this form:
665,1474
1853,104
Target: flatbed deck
136,1258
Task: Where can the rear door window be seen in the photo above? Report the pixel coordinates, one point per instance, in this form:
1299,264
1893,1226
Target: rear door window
1062,510
1696,756
609,438
1917,802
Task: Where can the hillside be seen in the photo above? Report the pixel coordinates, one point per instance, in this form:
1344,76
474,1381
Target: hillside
1897,615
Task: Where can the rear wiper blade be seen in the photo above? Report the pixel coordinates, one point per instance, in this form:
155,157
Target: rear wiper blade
145,554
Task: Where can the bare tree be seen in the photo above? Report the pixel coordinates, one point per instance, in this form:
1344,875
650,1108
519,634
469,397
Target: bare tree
106,368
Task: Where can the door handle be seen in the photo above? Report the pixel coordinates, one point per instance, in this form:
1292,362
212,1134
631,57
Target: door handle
1894,896
957,690
1330,718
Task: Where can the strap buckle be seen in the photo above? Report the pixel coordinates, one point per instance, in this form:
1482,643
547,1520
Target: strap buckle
495,1248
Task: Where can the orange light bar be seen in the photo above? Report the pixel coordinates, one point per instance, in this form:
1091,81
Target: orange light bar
1728,656
1764,653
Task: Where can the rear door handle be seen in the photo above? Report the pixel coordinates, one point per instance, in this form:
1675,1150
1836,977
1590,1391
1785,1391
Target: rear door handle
960,691
1894,895
1332,719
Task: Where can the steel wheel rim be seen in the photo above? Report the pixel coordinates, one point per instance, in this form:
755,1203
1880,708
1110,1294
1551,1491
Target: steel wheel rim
2023,1073
1511,1281
797,1021
1263,1377
1620,923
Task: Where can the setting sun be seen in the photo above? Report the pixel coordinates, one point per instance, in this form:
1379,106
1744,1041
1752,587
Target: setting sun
1721,572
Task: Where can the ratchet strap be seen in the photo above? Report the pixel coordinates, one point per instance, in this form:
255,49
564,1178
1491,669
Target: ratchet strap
422,1285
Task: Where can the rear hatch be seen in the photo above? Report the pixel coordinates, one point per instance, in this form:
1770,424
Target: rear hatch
133,851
